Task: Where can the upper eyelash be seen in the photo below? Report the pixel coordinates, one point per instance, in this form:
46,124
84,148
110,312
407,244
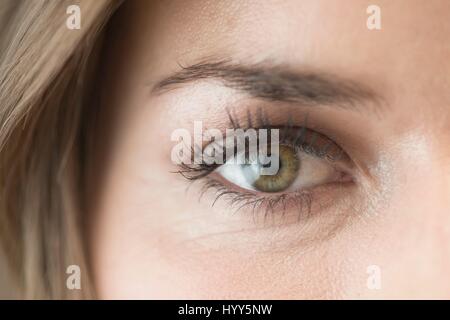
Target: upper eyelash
290,135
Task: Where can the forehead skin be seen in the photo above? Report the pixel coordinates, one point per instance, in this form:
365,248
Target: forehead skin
406,62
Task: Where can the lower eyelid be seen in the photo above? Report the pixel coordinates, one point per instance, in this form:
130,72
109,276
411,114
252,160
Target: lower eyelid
292,206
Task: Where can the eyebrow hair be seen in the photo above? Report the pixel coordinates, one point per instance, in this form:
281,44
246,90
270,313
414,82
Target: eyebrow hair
275,83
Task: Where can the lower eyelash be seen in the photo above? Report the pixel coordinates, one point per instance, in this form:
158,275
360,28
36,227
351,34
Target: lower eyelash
269,204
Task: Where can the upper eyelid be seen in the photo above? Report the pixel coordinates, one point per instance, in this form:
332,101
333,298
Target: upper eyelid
259,117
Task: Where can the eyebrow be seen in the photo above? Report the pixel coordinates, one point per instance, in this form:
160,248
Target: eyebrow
275,83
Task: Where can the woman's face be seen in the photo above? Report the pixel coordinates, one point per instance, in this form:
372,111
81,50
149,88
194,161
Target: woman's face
372,222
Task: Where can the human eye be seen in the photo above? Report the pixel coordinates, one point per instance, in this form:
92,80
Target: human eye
311,167
298,170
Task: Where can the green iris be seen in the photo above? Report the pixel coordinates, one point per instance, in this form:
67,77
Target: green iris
289,165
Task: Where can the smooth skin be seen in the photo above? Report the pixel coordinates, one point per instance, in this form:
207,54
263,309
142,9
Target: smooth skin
150,238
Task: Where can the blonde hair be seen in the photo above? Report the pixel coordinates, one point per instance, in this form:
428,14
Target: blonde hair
46,83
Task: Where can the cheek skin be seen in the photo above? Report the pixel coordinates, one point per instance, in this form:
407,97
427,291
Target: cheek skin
406,236
143,249
146,245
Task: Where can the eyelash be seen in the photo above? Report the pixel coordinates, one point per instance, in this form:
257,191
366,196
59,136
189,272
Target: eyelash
300,138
